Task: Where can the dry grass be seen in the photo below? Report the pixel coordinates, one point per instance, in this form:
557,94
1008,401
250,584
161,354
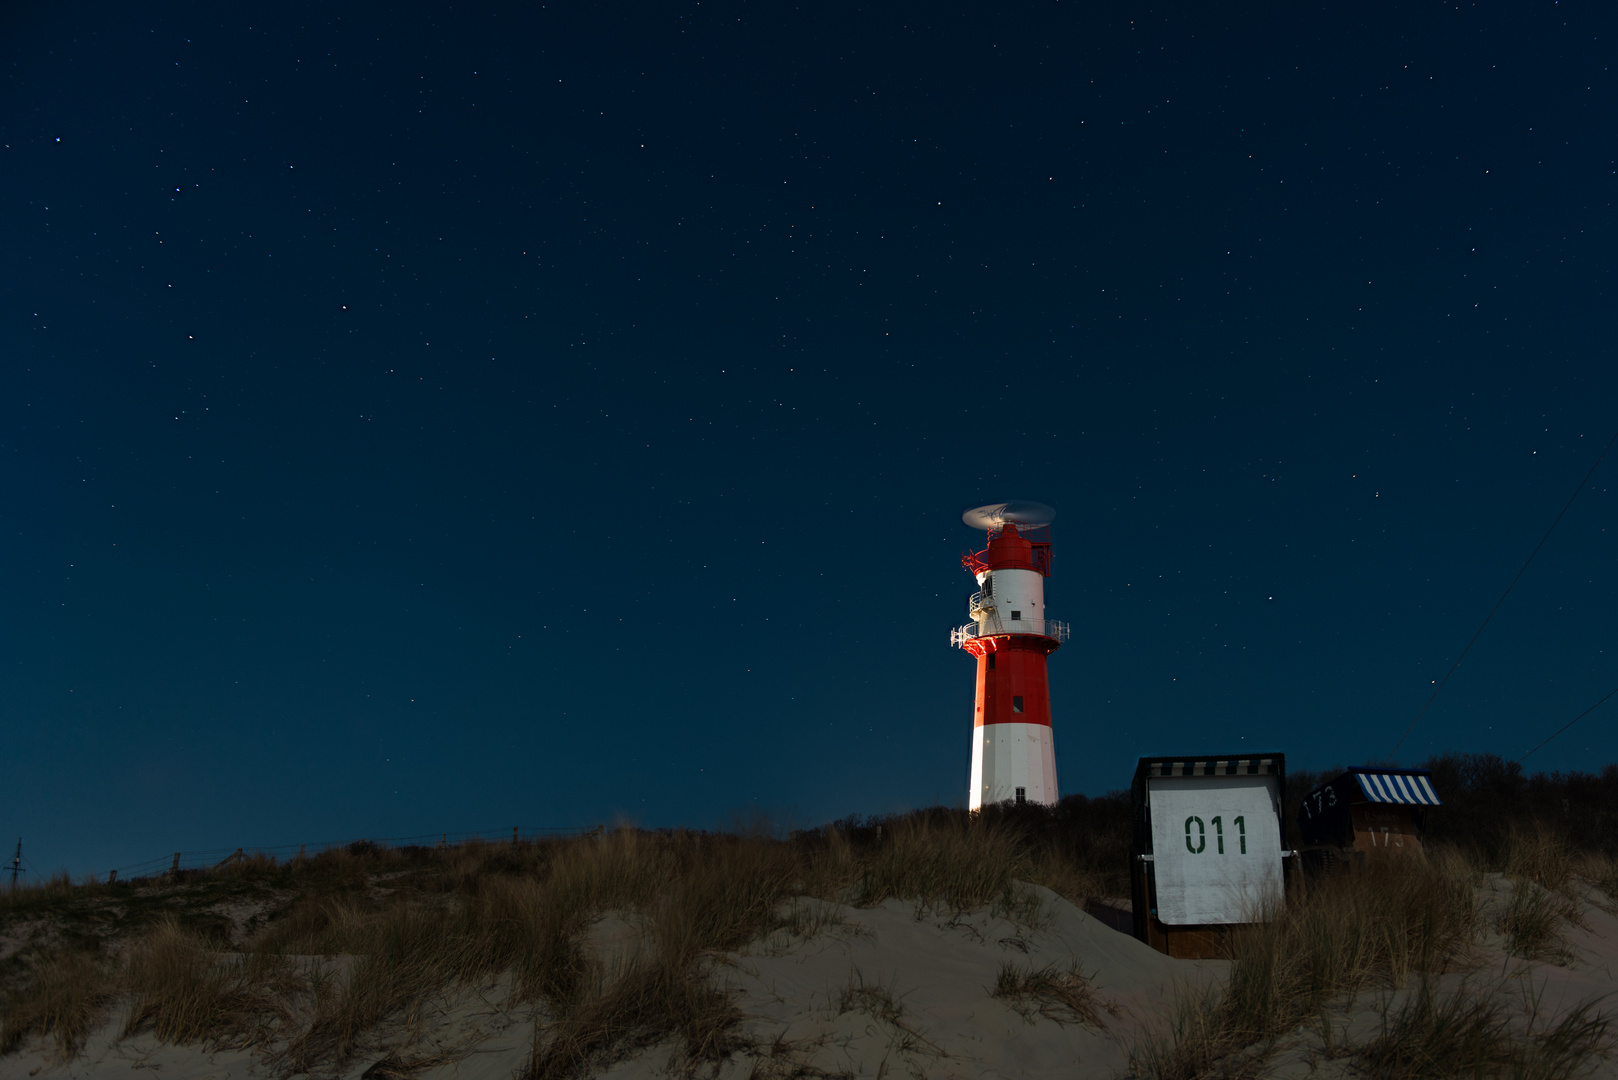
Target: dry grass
719,896
955,866
1533,920
1073,880
1333,936
1434,1036
1385,927
878,1001
807,917
359,943
1538,855
1057,993
404,954
1192,1042
182,992
27,898
872,998
65,999
1542,870
1601,872
649,1002
399,929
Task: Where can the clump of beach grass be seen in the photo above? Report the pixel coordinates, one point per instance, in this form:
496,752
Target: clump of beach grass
1543,875
953,866
877,1000
1466,1033
1599,874
66,998
1055,992
1533,920
1540,855
182,991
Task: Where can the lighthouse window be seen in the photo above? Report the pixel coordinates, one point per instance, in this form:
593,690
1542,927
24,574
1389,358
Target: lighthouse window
1015,615
991,661
1016,703
1022,796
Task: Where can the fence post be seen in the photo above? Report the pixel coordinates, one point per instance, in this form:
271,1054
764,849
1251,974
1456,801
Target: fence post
300,852
175,869
514,836
112,876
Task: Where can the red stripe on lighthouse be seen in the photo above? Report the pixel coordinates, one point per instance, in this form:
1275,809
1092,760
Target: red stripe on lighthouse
1016,688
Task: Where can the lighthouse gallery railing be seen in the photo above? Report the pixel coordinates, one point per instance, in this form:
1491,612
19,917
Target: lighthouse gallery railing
1051,628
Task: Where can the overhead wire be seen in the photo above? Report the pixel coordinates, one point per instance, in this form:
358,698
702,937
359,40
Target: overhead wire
1567,725
1503,596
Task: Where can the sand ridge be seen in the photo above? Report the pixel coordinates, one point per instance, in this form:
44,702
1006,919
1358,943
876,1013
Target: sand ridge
898,990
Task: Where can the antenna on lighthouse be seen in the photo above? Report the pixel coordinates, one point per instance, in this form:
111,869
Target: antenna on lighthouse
992,517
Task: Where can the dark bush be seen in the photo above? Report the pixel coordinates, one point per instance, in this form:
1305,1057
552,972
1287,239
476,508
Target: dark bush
1485,796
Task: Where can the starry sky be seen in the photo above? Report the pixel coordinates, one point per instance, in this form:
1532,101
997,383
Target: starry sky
423,418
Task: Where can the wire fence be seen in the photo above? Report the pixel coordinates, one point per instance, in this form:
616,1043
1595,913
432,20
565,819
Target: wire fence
214,858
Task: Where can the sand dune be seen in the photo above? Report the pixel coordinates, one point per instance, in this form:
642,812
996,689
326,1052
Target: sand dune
895,989
887,990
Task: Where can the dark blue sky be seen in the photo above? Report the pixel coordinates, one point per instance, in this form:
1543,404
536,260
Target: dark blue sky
423,418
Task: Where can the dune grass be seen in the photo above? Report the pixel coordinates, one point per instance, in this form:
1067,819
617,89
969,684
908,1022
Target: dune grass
877,1000
1543,874
1059,993
1467,1033
1331,936
309,960
316,962
1532,922
1381,928
1540,855
66,998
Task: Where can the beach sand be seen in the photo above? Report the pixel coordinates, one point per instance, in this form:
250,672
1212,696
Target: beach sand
892,990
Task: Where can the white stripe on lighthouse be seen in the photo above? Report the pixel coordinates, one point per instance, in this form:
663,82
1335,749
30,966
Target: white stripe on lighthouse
1006,757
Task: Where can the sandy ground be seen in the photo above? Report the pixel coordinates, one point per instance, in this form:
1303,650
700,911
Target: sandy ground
888,994
888,991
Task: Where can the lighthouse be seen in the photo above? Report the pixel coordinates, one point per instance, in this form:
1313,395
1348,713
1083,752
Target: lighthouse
1010,635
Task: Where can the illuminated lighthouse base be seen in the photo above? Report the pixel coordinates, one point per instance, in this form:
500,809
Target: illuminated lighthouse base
1013,761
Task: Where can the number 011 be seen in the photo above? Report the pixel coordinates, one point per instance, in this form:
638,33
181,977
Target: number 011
1197,844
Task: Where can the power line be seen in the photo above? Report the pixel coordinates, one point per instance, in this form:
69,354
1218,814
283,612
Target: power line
1502,599
1567,725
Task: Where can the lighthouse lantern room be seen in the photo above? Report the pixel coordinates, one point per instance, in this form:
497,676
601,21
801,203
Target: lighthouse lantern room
1010,635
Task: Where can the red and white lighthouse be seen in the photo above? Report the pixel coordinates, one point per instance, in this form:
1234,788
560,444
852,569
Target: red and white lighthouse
1013,757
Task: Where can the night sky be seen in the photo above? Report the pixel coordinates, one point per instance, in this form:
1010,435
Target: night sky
422,418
